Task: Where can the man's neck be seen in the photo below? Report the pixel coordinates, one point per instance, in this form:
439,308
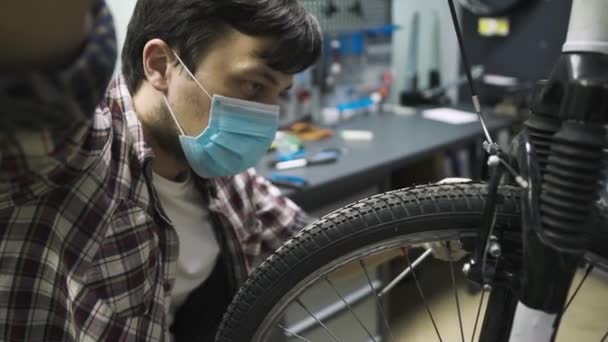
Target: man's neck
164,164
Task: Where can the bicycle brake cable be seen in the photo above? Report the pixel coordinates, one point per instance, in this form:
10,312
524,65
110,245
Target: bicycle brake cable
467,69
491,147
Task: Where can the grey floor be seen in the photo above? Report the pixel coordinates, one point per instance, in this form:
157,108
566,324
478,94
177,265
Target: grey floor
585,320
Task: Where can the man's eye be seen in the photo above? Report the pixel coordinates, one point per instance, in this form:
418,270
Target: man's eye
253,88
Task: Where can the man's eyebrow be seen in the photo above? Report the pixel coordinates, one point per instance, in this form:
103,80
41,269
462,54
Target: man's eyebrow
260,68
264,71
268,76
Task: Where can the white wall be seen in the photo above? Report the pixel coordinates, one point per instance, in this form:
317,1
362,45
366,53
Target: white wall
403,12
122,10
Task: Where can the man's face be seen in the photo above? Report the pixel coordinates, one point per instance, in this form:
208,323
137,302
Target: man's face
232,68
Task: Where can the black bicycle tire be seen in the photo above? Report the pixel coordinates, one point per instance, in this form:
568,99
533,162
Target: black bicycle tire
456,205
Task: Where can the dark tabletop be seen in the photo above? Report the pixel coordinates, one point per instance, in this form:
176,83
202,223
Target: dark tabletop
398,140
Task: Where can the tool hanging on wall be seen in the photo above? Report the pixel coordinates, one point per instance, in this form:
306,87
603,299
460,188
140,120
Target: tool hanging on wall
412,56
413,96
331,9
357,9
336,16
435,72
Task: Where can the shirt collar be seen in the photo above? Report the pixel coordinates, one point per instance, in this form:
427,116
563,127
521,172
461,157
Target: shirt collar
121,104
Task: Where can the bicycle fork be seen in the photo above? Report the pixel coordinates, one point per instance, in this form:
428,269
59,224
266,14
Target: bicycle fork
567,133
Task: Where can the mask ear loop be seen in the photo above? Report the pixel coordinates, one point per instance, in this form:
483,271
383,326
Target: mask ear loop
181,130
191,75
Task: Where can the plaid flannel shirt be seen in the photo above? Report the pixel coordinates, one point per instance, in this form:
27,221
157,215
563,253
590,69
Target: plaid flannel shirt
86,252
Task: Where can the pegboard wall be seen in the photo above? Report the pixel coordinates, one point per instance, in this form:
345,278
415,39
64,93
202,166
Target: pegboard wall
350,15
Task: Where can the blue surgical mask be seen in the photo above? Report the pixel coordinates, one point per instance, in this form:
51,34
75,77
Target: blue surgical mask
239,134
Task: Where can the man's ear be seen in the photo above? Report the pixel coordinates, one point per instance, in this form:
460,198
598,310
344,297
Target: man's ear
158,59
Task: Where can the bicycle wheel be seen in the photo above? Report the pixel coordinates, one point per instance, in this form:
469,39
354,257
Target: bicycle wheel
394,220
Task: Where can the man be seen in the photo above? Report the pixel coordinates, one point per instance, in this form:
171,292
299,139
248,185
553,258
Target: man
140,217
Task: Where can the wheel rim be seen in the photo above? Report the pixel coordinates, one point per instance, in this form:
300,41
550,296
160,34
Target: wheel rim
271,320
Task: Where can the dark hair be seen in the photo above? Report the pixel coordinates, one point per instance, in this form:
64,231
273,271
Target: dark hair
191,26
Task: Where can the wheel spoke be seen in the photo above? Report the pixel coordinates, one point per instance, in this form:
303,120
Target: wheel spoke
334,337
426,305
378,301
404,274
292,333
587,272
483,294
455,289
350,308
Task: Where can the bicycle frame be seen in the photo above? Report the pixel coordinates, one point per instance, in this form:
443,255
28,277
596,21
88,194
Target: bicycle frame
560,160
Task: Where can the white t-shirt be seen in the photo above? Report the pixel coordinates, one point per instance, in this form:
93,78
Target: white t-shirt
198,246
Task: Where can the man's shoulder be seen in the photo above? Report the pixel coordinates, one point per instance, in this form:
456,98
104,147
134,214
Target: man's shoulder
246,187
117,112
239,181
113,104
